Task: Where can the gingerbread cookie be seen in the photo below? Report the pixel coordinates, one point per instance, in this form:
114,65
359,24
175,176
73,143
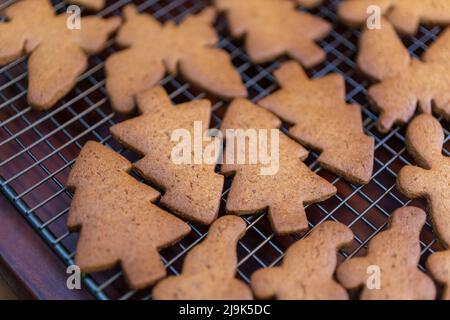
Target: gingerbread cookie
309,3
307,269
58,54
94,5
283,191
191,190
405,15
323,121
274,28
209,268
118,221
395,253
431,180
406,83
187,48
439,267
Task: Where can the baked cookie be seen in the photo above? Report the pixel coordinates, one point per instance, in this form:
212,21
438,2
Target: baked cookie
309,3
396,253
209,268
285,190
275,28
152,49
438,265
118,221
406,83
307,269
431,179
58,54
191,190
405,15
94,5
323,121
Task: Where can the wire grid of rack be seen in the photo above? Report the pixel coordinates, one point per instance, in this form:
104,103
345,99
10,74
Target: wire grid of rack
38,149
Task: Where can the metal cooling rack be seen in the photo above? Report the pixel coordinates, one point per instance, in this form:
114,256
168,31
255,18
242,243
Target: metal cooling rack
38,149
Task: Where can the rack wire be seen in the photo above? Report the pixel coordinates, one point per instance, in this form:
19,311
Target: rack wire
38,149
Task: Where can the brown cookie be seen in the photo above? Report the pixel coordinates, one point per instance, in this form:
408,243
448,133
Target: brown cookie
307,269
118,221
209,268
431,180
309,3
283,192
396,252
275,28
439,267
191,190
188,48
58,55
323,121
406,83
94,5
405,15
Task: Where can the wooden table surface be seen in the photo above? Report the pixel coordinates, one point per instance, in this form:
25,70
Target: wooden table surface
31,269
5,291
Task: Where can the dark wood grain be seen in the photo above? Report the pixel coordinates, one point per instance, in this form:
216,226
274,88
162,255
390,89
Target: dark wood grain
27,264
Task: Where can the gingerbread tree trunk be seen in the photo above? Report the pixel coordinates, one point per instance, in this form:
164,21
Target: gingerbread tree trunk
439,267
406,83
276,28
323,121
58,54
424,139
192,189
118,221
405,15
210,267
307,269
188,47
283,190
392,259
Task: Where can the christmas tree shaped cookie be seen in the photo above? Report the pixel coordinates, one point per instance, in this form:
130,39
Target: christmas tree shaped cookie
307,269
431,180
323,121
210,267
58,52
405,15
309,3
90,4
191,189
118,221
406,83
390,269
284,186
274,28
152,49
